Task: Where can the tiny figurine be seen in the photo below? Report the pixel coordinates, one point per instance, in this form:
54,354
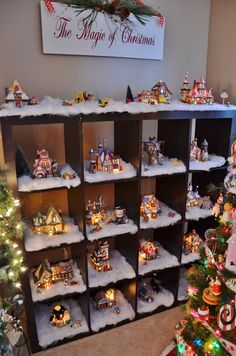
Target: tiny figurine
60,316
129,95
66,102
197,153
162,92
191,242
100,258
15,94
69,175
148,250
50,224
45,274
150,207
103,102
198,94
105,299
95,214
82,96
120,216
104,160
224,95
212,292
33,100
45,166
153,149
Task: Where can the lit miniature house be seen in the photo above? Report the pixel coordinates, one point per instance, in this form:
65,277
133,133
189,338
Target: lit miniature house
45,166
16,94
105,299
145,293
199,94
150,207
230,263
197,153
195,200
50,224
104,160
191,243
60,316
45,274
162,92
148,250
95,213
153,149
100,258
147,97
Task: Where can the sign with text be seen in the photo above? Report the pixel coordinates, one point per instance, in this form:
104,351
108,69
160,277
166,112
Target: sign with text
64,32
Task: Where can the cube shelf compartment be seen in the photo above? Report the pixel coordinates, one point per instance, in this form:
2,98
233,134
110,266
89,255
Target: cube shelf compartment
168,183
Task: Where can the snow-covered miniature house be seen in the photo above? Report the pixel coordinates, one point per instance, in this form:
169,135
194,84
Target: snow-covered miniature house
162,92
153,149
60,316
191,243
100,257
230,262
105,299
197,153
95,213
50,224
148,250
195,200
150,207
199,94
45,165
104,160
15,93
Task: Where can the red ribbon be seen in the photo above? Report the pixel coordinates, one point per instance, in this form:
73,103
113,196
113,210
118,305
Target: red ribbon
49,5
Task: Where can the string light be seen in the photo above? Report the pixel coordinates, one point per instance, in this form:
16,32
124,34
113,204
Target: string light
18,285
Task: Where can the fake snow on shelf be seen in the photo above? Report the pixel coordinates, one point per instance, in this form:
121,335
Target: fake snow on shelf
183,285
111,229
196,213
29,184
37,242
48,334
162,220
164,260
162,298
191,257
59,288
104,317
128,172
214,161
53,106
169,166
121,269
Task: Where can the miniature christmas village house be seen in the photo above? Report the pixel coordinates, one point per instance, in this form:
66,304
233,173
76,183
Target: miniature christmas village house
45,166
148,250
100,258
150,207
153,149
104,160
105,299
191,243
162,92
16,95
198,94
45,274
195,200
197,153
50,224
60,316
230,263
95,213
147,290
147,97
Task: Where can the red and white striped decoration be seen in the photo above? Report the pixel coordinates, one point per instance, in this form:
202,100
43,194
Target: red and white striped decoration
226,317
161,20
49,5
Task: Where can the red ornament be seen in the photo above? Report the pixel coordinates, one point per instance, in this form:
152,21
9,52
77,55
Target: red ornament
49,5
203,313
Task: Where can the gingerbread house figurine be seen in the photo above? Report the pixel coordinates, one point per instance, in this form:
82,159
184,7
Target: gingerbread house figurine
100,258
45,165
148,250
230,263
16,95
161,92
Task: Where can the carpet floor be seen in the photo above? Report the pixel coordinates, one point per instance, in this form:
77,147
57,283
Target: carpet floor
146,337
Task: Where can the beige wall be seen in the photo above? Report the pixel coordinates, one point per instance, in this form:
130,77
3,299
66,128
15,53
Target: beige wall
221,64
57,75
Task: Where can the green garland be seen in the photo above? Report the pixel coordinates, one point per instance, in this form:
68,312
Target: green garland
118,10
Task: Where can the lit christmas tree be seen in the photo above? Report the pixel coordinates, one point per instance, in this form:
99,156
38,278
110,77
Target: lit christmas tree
210,324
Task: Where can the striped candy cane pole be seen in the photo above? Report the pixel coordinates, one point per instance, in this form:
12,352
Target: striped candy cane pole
226,317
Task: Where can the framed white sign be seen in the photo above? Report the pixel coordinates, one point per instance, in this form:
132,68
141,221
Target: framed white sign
63,32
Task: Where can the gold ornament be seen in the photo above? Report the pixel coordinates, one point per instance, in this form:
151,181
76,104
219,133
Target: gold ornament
228,206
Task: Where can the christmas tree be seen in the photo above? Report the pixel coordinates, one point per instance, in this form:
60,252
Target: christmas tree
210,324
